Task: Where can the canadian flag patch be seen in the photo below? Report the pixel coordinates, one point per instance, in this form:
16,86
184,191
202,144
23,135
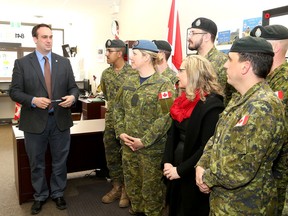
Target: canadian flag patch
280,94
242,121
164,95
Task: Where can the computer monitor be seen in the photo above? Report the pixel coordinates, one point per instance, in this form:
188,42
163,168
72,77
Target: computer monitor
87,86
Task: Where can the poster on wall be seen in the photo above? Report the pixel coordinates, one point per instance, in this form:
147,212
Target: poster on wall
249,24
228,32
227,37
7,59
100,54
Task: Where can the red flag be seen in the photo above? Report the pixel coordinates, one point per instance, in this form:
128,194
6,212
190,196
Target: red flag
174,36
17,111
165,95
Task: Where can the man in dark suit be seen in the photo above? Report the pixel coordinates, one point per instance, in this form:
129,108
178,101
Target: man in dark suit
45,114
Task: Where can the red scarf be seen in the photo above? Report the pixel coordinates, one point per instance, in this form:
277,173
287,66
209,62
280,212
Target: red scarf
183,107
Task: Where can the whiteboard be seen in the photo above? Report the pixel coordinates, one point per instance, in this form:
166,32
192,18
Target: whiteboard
21,34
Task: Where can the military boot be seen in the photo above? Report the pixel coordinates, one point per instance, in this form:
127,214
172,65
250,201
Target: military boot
124,200
114,194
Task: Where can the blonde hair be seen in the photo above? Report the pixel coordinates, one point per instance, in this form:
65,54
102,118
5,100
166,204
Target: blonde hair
154,57
201,76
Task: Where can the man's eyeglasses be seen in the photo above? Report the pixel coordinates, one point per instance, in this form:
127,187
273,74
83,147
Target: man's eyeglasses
191,33
110,51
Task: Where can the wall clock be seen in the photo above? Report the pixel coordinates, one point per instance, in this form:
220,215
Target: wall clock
115,28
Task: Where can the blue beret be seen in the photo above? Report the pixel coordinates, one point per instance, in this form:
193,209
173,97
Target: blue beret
114,44
250,44
270,32
205,24
145,45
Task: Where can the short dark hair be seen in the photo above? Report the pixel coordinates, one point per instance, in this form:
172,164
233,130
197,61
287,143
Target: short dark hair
35,29
167,54
261,62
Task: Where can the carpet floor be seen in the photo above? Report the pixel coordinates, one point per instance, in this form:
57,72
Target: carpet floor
88,201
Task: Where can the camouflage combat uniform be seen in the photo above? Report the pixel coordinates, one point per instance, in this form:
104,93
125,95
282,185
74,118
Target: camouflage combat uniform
169,73
238,158
110,84
278,82
142,114
218,60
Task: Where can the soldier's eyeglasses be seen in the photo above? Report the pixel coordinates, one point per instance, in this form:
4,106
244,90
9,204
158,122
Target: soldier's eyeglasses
110,51
196,33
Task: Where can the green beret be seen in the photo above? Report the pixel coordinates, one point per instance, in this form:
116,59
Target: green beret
250,44
145,45
270,32
205,24
163,45
114,44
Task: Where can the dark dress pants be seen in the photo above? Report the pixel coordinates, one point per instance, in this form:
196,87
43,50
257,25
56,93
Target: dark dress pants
36,146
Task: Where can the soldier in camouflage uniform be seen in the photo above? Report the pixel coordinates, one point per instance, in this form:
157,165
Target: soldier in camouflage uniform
236,165
141,122
111,80
201,38
162,66
277,79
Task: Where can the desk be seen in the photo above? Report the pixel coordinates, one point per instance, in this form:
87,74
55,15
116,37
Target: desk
103,111
91,110
86,152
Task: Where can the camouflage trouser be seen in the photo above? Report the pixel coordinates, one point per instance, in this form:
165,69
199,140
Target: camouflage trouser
142,176
282,191
113,155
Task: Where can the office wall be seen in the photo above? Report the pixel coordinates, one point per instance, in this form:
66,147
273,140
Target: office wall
149,19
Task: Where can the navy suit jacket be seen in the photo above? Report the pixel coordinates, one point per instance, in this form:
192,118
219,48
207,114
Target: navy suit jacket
28,82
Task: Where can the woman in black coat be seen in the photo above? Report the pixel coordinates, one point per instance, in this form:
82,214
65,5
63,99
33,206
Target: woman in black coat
195,113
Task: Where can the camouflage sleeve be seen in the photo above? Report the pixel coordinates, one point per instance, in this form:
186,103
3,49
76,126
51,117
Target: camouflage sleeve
250,144
204,161
119,113
160,127
280,165
102,85
280,173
